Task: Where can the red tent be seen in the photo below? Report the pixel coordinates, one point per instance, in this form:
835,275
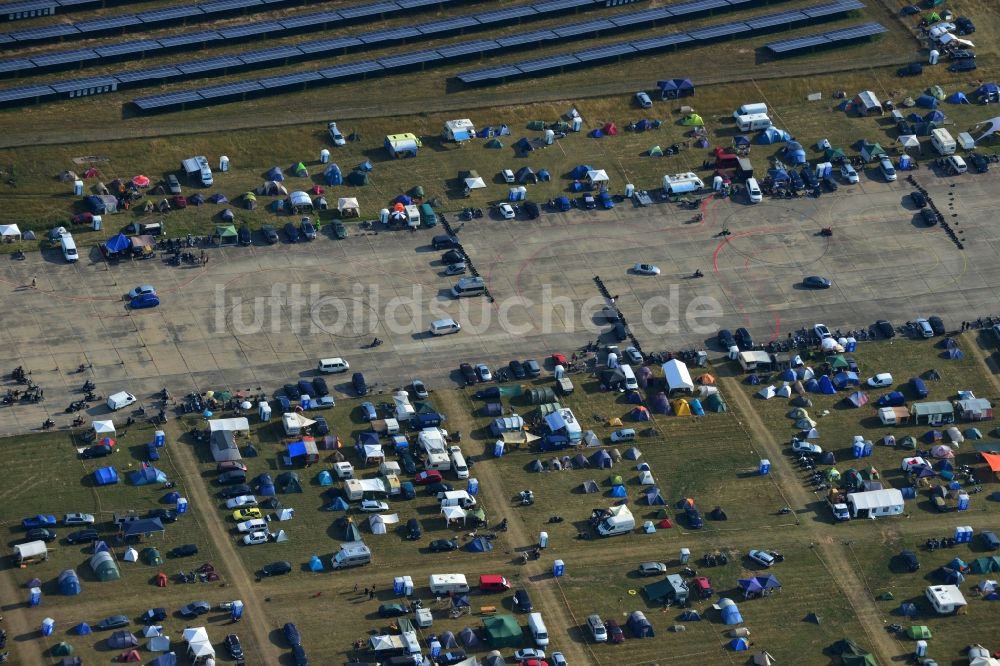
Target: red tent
161,579
130,656
665,523
610,129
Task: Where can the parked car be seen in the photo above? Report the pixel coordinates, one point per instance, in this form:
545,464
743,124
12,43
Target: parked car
909,560
928,216
372,506
418,388
821,331
359,383
483,373
251,525
444,242
924,328
937,325
173,185
427,477
307,229
881,380
186,550
247,513
369,412
291,633
443,545
339,230
531,209
276,568
507,211
292,391
888,171
918,199
652,568
725,338
321,428
522,654
632,355
801,446
233,646
320,388
452,257
244,236
643,100
848,173
438,488
141,290
82,536
885,328
40,534
744,339
195,608
962,66
531,368
335,136
98,451
522,602
291,233
306,388
241,502
615,633
78,519
153,615
816,282
467,372
645,269
979,162
112,622
231,477
459,268
235,491
144,301
270,235
517,369
256,537
913,69
761,557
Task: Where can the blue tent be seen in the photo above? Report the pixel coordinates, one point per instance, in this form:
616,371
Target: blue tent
632,453
639,625
934,116
739,644
100,547
772,135
987,89
674,88
596,134
167,659
618,491
170,498
788,375
660,404
778,175
275,174
403,199
893,399
696,408
957,98
601,459
949,576
332,175
579,172
826,386
544,175
365,166
795,155
105,476
654,497
730,613
146,475
82,629
118,243
315,564
639,413
69,583
634,398
753,380
324,478
741,141
340,504
690,615
845,379
479,545
908,610
927,102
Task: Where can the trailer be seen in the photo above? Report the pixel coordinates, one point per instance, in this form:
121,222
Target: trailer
875,503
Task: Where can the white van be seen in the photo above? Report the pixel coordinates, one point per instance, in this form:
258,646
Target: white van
458,463
336,364
445,326
630,382
68,248
353,554
753,191
748,109
597,628
956,165
120,400
536,626
469,286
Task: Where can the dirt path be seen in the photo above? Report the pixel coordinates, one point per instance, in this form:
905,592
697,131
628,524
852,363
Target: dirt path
832,554
217,532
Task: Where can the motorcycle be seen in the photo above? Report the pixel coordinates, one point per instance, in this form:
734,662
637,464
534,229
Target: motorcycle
375,343
47,423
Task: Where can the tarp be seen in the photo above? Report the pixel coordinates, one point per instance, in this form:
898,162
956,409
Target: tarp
502,631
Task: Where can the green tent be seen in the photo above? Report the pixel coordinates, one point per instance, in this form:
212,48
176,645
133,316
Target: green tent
692,119
837,362
858,660
477,514
616,480
537,125
494,143
852,654
301,170
917,632
985,565
503,631
834,154
151,556
937,92
417,192
872,151
62,649
656,151
715,403
226,233
104,566
358,178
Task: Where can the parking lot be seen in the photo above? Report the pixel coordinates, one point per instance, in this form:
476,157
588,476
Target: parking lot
328,298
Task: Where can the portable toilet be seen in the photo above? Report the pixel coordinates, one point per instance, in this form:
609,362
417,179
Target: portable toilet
543,539
324,156
473,488
576,124
97,222
48,626
717,183
435,646
921,648
159,439
558,568
963,501
383,216
550,137
685,555
264,411
236,613
224,163
764,468
78,188
933,57
182,505
407,586
963,534
629,190
498,448
397,586
36,597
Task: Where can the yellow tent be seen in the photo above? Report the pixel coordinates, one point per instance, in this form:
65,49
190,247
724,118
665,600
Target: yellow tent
692,119
681,407
615,422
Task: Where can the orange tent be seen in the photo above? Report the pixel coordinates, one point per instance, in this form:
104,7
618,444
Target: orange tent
706,379
993,460
130,656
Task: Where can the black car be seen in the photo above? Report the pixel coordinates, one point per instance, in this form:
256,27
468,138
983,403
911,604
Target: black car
885,328
233,476
444,241
306,388
979,162
339,230
41,534
407,463
292,233
452,257
321,427
964,25
270,235
243,235
830,184
918,199
292,391
299,656
522,602
186,550
165,515
532,368
725,338
468,373
319,387
517,369
232,644
112,622
82,536
744,339
589,203
913,69
195,608
928,216
443,545
98,451
531,209
962,66
937,325
909,560
619,332
413,531
438,487
153,615
451,657
235,491
307,229
816,282
276,568
359,384
291,632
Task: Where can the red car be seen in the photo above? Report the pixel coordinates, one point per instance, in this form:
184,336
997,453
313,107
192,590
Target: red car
559,359
427,476
180,202
82,218
615,633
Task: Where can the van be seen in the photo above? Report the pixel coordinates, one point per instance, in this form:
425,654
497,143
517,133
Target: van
458,463
753,191
445,326
351,555
748,109
441,584
955,165
469,286
68,248
427,215
630,382
990,540
753,122
943,142
335,364
536,627
457,498
643,100
597,629
623,435
522,602
493,583
119,400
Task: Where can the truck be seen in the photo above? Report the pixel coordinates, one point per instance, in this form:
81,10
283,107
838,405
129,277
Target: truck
453,583
615,521
943,142
875,503
838,505
753,122
682,183
197,169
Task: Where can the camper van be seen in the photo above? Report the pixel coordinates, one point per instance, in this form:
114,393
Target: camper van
427,215
442,584
68,248
351,555
750,109
412,216
197,168
630,382
469,286
445,326
458,463
943,142
753,122
536,627
336,364
682,183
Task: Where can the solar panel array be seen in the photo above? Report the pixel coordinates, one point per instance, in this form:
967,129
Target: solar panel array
826,38
341,73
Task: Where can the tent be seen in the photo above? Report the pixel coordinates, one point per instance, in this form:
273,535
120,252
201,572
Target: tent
826,386
739,644
536,466
618,491
696,408
611,129
494,143
69,583
601,459
104,567
691,120
927,102
589,486
275,174
479,545
62,649
339,504
715,403
857,399
773,135
646,478
502,631
288,482
270,188
315,564
674,88
151,556
632,453
226,233
660,404
468,638
655,151
358,178
639,413
332,175
639,625
299,170
654,497
918,632
681,407
767,392
82,629
146,475
131,555
105,476
730,613
122,639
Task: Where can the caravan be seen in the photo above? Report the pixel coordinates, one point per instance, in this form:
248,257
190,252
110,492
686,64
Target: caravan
682,183
753,122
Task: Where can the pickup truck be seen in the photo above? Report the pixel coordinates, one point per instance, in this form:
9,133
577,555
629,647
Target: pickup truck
838,506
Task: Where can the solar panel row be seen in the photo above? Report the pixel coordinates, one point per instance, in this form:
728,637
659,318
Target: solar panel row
826,38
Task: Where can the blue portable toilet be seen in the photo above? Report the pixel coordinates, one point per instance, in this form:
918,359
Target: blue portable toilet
858,449
159,438
963,534
558,568
473,488
498,448
909,493
48,626
869,447
36,596
764,468
851,345
306,402
963,502
182,505
237,611
315,564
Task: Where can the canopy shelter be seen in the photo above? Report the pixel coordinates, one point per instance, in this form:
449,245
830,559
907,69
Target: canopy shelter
348,207
10,232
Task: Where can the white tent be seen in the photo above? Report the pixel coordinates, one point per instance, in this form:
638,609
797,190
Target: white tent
677,377
10,231
597,176
767,392
378,522
130,555
152,630
159,644
475,183
286,513
785,391
994,128
281,536
238,424
451,513
646,478
199,646
348,206
829,344
104,427
909,141
374,454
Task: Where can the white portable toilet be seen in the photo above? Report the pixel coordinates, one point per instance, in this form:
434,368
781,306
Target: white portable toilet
550,137
324,156
383,216
543,539
685,555
629,190
933,57
224,163
717,183
78,188
264,410
577,124
97,222
921,648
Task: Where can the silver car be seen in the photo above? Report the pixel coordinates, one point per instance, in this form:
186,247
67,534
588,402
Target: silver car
652,568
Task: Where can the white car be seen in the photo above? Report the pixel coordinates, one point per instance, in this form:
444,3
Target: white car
507,211
881,380
241,501
78,519
558,659
373,506
888,171
142,290
822,332
335,135
483,372
848,173
925,328
528,653
806,447
251,525
254,538
645,269
761,557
